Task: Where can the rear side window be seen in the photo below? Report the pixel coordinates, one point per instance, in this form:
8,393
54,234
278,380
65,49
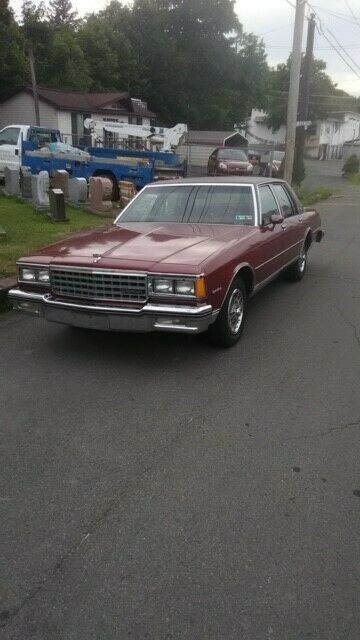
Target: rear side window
10,136
286,206
268,204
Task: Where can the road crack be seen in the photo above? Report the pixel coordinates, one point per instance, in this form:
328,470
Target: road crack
350,324
327,432
97,522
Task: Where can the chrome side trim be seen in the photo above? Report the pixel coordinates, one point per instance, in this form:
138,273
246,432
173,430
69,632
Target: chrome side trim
263,283
280,254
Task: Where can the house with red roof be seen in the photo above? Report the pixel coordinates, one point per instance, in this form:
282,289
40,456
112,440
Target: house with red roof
67,110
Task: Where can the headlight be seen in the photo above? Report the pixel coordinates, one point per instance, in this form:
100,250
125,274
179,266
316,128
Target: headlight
43,275
222,165
250,167
160,285
28,275
36,274
192,287
185,287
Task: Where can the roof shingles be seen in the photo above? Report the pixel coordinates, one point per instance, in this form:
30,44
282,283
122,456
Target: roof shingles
111,102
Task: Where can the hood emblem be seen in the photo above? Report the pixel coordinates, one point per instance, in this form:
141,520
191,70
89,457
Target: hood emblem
97,257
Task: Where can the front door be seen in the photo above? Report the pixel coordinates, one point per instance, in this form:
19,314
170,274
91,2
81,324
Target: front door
10,148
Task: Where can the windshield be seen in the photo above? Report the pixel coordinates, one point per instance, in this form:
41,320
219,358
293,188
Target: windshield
210,204
232,154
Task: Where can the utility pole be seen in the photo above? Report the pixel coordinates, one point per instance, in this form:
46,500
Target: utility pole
294,90
305,90
34,86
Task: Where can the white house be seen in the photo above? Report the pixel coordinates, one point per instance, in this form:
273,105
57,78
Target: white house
258,132
67,110
325,138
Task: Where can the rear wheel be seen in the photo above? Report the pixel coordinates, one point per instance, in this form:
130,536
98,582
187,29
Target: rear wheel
229,325
297,269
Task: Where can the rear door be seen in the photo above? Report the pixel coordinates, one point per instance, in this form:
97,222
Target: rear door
10,148
274,238
293,221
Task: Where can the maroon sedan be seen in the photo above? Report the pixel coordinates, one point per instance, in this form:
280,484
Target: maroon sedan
227,161
183,256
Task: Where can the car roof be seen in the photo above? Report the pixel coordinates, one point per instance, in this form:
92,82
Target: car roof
257,180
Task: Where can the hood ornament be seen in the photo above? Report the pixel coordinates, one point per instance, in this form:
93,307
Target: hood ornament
97,257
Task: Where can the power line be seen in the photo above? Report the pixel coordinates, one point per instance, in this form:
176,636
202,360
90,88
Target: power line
322,32
351,47
343,49
339,54
340,16
352,13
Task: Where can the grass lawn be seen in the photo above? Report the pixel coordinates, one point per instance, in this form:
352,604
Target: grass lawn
355,179
311,197
28,230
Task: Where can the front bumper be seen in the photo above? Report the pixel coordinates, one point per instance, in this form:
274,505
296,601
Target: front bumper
151,317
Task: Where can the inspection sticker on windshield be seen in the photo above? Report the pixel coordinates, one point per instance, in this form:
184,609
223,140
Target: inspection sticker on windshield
243,218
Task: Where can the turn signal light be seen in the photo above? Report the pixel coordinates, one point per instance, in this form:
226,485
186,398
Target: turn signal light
200,288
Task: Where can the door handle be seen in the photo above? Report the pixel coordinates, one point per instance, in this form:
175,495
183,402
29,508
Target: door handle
300,219
283,226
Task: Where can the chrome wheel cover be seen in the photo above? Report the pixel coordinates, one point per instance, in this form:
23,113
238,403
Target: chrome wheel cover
302,261
235,311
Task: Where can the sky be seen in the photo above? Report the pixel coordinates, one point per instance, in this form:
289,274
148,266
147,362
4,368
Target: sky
274,21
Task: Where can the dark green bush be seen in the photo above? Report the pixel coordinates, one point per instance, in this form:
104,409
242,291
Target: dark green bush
351,166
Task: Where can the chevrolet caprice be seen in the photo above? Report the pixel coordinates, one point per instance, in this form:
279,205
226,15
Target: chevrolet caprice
183,256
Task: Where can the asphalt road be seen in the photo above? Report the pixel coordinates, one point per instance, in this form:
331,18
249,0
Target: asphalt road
155,488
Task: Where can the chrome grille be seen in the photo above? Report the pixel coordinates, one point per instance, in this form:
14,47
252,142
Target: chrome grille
94,284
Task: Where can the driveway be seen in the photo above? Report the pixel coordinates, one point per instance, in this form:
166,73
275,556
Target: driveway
154,487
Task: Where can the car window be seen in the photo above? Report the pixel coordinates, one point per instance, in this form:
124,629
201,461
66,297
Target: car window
43,137
10,136
286,206
232,154
268,204
225,204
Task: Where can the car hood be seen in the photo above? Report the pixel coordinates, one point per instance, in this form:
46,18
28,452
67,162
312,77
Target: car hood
235,164
144,245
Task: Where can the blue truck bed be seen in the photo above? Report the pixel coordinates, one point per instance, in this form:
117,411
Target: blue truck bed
139,167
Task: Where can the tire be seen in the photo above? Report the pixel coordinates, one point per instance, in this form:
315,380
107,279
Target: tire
227,330
297,269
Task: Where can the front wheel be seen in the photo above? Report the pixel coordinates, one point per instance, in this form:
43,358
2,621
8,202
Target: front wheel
229,325
297,269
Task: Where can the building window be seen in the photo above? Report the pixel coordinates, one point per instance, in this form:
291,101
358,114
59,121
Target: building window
80,135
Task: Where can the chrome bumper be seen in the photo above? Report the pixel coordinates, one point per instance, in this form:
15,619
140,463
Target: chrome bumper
151,317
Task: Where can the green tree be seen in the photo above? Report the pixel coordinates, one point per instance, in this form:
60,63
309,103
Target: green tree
61,12
13,63
326,97
38,33
68,68
108,53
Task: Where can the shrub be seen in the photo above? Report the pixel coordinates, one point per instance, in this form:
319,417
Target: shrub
351,166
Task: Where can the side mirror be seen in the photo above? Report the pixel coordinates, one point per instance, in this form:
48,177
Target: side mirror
276,218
